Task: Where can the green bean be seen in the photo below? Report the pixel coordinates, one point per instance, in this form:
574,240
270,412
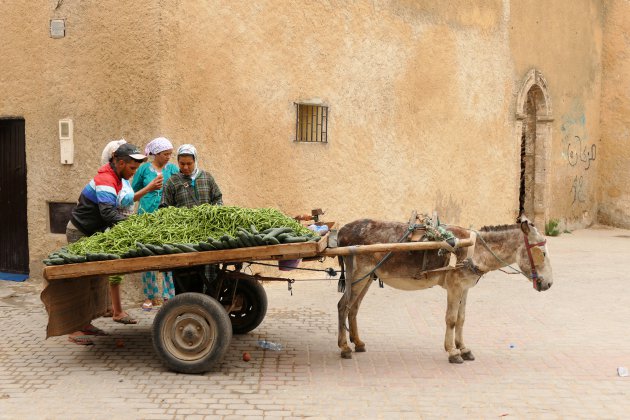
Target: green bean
183,226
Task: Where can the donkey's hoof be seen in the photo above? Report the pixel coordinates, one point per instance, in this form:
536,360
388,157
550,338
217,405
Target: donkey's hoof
455,359
468,356
360,349
346,354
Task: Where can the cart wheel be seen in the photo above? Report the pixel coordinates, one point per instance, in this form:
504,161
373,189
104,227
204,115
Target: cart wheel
250,302
191,333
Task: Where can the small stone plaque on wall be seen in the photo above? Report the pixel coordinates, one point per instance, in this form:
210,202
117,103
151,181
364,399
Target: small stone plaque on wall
57,28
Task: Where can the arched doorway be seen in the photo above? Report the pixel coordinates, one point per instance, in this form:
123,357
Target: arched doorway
533,135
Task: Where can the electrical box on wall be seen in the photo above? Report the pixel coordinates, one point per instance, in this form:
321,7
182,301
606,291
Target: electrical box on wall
66,141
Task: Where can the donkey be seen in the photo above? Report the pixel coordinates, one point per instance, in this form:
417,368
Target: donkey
494,247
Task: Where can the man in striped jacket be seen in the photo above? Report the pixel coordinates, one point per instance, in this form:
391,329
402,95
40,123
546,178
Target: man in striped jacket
98,208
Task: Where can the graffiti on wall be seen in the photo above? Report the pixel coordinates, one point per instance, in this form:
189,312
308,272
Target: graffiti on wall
577,189
579,154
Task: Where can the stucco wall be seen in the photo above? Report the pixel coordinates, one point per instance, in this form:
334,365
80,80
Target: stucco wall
102,75
615,154
422,98
562,40
418,98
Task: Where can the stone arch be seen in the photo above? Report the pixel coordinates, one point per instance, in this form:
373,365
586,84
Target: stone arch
533,135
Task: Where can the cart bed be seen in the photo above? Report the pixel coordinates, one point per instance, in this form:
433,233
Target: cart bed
168,262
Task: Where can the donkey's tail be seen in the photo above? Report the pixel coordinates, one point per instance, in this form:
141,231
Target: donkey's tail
341,286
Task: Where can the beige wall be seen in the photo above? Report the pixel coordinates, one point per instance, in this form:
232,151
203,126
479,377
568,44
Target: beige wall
423,99
416,95
614,187
562,39
102,75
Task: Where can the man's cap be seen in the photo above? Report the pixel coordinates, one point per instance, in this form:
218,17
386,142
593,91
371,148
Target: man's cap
130,150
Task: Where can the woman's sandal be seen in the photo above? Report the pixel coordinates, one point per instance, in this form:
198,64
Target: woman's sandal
127,319
82,340
92,330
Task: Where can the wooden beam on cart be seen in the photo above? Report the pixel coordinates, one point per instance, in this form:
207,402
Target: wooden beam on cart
392,247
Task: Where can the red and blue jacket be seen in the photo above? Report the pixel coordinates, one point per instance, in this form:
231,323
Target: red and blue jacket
97,208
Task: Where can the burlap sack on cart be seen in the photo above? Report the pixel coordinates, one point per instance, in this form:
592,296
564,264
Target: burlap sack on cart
73,303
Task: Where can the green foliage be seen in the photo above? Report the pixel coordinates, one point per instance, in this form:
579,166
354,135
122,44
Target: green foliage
551,227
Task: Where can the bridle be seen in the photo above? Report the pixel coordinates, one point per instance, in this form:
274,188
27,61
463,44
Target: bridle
536,282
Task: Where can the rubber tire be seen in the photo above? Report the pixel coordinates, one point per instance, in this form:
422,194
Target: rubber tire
216,323
255,301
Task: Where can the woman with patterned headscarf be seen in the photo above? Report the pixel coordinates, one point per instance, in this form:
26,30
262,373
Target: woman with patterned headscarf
158,170
191,186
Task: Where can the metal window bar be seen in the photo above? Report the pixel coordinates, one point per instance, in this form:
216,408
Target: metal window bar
311,124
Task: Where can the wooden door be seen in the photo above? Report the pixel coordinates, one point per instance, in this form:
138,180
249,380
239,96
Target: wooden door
13,227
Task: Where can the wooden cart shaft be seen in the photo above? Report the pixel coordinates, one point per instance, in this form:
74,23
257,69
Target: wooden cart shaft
391,247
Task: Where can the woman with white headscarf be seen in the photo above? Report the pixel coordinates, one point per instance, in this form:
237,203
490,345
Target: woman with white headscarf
158,170
188,188
191,186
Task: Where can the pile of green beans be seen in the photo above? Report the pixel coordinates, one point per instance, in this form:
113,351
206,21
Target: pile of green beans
175,225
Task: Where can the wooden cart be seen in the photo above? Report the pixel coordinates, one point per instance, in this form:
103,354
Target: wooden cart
192,331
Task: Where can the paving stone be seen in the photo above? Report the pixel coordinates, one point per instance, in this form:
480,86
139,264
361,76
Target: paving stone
538,355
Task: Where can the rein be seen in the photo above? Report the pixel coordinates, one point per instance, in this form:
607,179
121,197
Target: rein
534,277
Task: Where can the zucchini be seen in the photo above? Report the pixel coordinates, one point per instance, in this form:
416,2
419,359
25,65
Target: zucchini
295,239
56,261
205,246
245,238
144,251
186,247
271,241
258,238
284,236
157,250
170,249
71,258
217,244
254,230
233,243
277,231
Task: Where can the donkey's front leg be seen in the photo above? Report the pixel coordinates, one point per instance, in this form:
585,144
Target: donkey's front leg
459,329
454,296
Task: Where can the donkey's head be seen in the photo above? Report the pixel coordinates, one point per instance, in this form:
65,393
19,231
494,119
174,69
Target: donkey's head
533,257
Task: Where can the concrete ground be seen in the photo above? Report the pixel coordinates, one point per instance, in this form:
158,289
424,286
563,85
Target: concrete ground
539,355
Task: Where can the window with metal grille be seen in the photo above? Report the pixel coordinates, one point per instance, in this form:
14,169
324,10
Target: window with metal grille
311,123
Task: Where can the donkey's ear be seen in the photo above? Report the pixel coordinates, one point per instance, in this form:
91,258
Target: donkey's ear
525,226
522,218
